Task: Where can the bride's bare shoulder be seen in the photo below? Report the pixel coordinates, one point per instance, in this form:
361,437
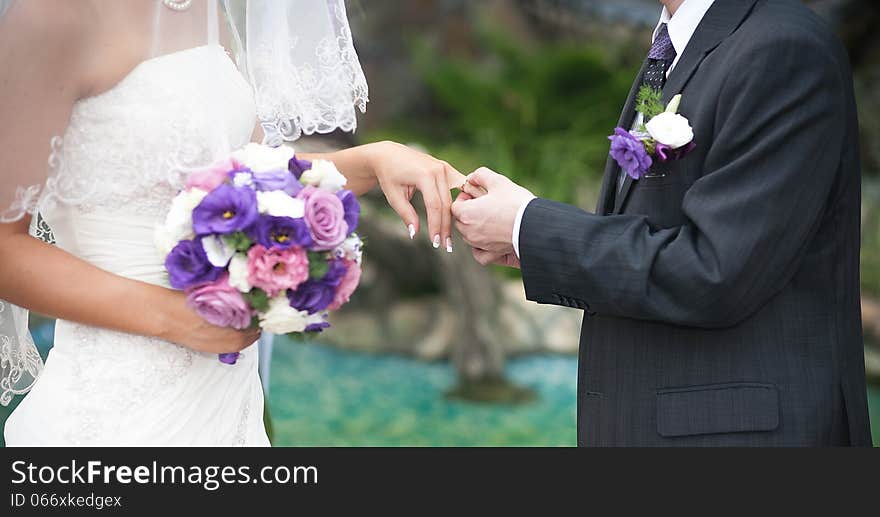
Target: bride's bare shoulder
48,38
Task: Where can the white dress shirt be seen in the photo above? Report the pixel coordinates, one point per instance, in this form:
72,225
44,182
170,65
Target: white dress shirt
681,26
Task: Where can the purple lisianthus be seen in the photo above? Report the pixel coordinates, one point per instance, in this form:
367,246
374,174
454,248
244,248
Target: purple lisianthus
277,180
351,207
225,210
317,327
280,232
665,153
297,167
316,295
188,265
629,152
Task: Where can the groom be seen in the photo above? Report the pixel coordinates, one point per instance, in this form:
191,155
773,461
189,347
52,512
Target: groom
720,290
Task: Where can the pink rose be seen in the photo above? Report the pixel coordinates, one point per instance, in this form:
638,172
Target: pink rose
210,177
275,270
325,217
220,304
347,285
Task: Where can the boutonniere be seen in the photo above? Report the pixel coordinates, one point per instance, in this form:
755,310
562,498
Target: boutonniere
665,136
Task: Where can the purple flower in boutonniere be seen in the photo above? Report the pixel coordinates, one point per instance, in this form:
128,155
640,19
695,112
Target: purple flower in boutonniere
629,152
665,153
666,136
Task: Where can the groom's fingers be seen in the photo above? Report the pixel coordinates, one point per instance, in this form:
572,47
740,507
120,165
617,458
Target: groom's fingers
473,191
485,178
400,204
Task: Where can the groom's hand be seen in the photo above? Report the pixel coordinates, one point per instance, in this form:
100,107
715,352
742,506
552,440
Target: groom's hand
485,215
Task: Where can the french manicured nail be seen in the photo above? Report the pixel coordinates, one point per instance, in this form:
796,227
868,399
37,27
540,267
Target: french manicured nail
412,231
436,241
448,244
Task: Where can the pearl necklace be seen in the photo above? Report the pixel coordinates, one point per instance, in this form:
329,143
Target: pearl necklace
177,5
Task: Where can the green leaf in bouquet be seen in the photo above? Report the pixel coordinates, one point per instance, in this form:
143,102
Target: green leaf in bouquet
239,241
318,265
258,299
255,322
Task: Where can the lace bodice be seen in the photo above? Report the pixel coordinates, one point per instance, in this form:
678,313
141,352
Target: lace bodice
127,150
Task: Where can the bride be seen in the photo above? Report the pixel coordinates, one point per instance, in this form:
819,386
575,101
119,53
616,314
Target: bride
121,99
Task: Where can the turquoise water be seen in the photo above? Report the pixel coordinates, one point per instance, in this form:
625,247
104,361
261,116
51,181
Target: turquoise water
324,396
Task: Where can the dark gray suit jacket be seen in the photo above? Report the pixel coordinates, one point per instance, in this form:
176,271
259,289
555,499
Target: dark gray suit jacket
722,299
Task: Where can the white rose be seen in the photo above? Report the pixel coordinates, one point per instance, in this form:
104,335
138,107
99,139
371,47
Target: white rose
178,222
238,273
279,204
218,251
325,175
281,318
670,129
262,158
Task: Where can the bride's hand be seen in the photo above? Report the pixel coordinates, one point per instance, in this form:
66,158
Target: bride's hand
401,171
188,329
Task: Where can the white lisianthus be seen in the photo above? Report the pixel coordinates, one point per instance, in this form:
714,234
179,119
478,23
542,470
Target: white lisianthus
325,175
350,249
279,204
238,273
670,129
281,318
243,179
218,251
262,158
178,224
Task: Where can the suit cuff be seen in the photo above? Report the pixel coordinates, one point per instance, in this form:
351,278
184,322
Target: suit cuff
517,223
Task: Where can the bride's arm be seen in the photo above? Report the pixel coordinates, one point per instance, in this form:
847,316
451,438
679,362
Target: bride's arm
400,171
50,281
42,58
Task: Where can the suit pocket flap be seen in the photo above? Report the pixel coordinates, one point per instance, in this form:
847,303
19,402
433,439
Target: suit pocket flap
717,408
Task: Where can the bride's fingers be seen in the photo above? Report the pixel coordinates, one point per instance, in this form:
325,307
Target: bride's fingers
433,207
446,211
454,179
400,204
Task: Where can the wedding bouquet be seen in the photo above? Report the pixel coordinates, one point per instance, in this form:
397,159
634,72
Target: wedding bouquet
264,238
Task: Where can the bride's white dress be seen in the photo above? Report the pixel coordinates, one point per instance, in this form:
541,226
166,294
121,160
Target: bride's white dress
122,155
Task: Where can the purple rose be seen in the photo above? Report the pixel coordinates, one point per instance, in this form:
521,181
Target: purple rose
629,152
666,153
277,180
325,217
280,232
351,207
316,295
220,304
225,210
188,265
297,167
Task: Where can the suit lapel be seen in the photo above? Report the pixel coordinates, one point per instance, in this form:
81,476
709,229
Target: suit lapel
609,179
719,22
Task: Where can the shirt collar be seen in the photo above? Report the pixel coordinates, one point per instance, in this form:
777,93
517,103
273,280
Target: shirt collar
684,23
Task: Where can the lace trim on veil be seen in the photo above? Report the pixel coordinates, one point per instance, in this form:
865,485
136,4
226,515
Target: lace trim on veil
20,362
318,94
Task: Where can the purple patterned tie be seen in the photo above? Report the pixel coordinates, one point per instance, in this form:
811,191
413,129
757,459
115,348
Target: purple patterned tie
660,57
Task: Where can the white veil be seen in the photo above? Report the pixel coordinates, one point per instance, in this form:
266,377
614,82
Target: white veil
299,57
